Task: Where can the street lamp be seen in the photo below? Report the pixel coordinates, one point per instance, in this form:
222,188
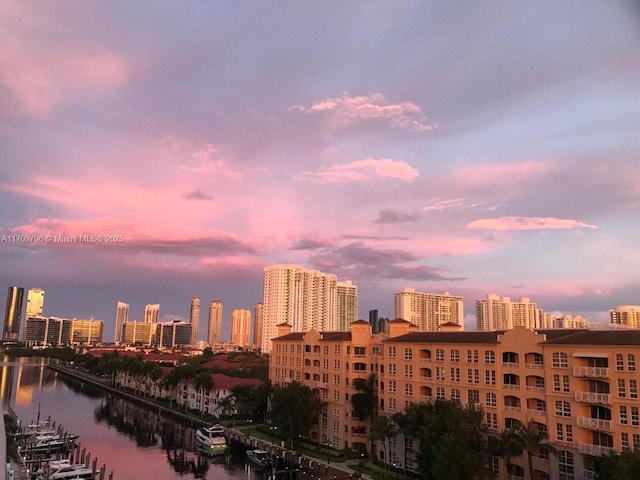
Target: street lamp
250,427
360,464
328,444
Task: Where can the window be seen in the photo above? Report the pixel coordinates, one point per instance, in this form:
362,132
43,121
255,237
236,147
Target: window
622,389
493,464
392,385
631,362
440,373
560,360
565,465
336,364
635,420
440,393
336,349
476,376
439,355
492,420
408,390
563,409
392,404
408,354
325,364
556,383
490,377
469,375
565,384
455,394
469,356
325,350
636,441
392,351
392,369
473,396
408,371
336,394
633,388
299,349
489,357
619,362
336,379
455,374
475,356
623,415
624,440
455,356
491,399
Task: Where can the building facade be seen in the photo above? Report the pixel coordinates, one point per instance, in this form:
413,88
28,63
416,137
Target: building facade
151,313
429,310
122,316
240,326
35,302
500,313
580,386
13,314
194,319
41,331
214,333
626,315
257,324
347,312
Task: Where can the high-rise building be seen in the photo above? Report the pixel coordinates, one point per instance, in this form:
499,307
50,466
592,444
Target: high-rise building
122,316
194,319
627,315
151,313
500,313
13,314
214,334
62,331
429,310
306,299
35,302
240,326
347,294
257,324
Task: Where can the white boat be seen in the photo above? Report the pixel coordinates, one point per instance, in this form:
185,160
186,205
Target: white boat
260,459
64,470
212,438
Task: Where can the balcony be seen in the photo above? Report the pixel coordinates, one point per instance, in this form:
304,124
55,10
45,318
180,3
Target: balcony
322,385
594,424
534,366
589,475
425,360
536,413
509,408
593,397
594,450
359,435
535,389
512,386
591,372
510,364
425,379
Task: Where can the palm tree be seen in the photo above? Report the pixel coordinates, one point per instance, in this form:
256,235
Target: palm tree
226,405
365,401
529,438
203,383
383,429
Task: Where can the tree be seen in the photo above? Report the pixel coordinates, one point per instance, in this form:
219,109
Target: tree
526,438
619,466
295,409
452,440
383,429
365,401
203,383
227,405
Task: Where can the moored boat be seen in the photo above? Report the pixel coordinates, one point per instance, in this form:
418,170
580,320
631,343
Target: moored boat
260,459
211,438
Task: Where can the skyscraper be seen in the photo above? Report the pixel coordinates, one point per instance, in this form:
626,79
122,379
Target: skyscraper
429,310
627,315
306,299
257,324
214,334
35,302
151,313
194,319
500,313
347,294
13,314
240,326
122,316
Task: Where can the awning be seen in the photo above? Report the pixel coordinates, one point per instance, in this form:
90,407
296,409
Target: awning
590,355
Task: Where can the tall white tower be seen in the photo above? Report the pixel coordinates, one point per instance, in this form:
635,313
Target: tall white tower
194,319
429,310
214,334
122,316
35,302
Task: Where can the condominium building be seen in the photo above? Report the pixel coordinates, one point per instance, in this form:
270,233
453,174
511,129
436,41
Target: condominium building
151,313
306,299
626,315
500,313
13,314
347,313
122,316
580,386
214,333
257,324
55,331
194,319
240,326
429,310
35,302
175,333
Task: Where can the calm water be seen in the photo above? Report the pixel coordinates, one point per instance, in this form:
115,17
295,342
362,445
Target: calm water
133,442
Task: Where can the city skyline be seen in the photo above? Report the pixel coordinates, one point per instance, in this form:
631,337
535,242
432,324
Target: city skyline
420,145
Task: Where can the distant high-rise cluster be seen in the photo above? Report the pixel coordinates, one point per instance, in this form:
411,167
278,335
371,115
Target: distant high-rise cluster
626,315
214,335
39,330
151,313
194,319
429,310
500,313
306,299
240,326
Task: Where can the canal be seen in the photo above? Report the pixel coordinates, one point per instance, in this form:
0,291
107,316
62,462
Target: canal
133,442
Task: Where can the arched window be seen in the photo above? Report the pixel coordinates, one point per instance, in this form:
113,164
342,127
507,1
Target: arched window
455,356
631,362
566,465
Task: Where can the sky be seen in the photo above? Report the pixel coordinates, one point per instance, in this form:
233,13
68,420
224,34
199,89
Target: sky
469,147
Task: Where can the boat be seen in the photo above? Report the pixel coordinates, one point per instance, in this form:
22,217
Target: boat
65,470
260,459
212,439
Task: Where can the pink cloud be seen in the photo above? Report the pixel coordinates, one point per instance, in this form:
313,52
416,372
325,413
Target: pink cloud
496,173
527,223
366,170
349,110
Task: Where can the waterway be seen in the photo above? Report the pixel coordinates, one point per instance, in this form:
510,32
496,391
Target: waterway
133,442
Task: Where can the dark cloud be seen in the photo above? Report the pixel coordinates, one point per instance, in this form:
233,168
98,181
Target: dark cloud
309,243
197,195
394,216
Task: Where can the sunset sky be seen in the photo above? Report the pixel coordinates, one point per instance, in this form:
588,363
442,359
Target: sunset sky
470,147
